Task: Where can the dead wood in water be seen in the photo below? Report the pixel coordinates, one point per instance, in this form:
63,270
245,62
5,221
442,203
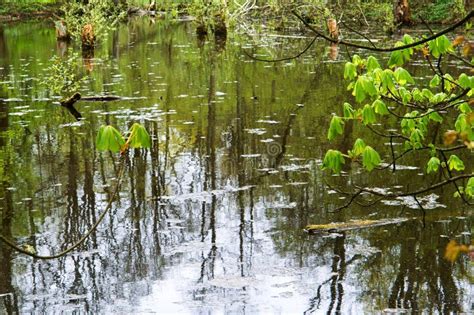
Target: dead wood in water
69,103
402,13
96,98
351,225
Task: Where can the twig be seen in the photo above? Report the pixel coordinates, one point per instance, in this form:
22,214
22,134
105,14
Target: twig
83,238
286,58
390,49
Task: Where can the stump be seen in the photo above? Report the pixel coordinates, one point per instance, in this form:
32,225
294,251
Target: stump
402,13
333,29
87,36
61,31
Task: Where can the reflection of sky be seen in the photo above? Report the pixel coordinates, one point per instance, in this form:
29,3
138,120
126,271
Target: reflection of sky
281,268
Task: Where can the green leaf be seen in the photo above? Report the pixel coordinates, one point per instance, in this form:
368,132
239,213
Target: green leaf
427,94
368,115
464,108
359,91
348,111
435,116
455,163
380,107
416,137
139,137
440,45
435,81
405,95
461,123
407,39
357,60
417,95
469,190
336,127
350,71
109,138
333,160
433,165
438,98
370,158
403,77
465,82
358,148
363,86
372,64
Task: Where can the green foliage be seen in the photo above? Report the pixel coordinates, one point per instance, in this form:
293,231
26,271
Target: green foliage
415,108
455,163
440,45
440,10
469,190
139,137
333,160
348,110
102,15
399,57
370,158
336,127
63,75
433,165
209,14
368,115
358,149
109,138
380,107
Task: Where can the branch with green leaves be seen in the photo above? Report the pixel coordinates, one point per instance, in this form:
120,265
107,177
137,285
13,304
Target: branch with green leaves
108,139
409,111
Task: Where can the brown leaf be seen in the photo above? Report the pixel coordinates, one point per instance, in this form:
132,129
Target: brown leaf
466,49
450,136
469,144
458,40
453,249
463,136
470,117
426,51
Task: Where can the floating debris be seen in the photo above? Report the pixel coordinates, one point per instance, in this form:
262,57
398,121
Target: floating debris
351,225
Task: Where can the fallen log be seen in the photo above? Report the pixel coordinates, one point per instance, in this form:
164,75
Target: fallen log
96,98
69,103
335,227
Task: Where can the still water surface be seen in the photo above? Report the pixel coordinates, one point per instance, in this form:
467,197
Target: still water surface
211,218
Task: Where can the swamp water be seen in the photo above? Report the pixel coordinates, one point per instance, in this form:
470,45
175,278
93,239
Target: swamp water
211,218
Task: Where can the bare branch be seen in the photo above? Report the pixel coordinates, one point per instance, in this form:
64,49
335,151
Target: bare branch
414,44
286,58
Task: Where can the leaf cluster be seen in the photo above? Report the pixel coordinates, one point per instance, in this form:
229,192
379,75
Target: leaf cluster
389,96
109,138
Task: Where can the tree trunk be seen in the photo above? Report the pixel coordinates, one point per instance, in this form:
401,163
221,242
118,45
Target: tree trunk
402,13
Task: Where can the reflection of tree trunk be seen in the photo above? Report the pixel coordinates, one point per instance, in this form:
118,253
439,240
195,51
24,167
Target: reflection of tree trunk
210,176
239,145
88,199
398,296
339,270
8,301
3,43
449,290
72,218
211,146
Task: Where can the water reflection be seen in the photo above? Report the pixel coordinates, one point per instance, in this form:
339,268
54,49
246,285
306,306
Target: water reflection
210,218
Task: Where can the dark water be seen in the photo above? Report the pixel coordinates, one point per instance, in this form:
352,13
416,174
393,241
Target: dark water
211,218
